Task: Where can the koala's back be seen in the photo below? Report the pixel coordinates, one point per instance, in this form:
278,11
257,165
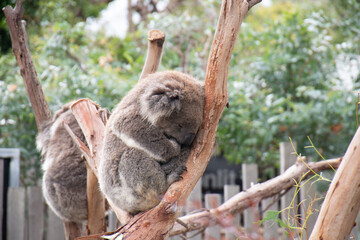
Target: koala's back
64,177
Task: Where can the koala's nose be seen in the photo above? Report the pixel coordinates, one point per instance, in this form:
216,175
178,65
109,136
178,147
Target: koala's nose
188,139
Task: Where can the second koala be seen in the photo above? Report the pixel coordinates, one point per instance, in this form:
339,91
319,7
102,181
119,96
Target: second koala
148,138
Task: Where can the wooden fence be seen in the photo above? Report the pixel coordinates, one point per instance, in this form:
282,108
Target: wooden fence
28,218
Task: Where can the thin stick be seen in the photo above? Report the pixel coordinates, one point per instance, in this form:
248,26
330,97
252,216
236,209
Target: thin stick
21,51
156,40
85,151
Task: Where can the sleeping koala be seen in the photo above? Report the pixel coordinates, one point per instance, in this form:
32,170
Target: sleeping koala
147,139
64,177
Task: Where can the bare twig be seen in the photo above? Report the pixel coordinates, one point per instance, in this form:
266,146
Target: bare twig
156,40
21,51
85,151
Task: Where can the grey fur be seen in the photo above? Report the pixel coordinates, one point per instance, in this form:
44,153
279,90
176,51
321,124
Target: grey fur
147,139
64,177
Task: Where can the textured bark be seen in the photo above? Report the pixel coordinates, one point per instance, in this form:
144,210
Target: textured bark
27,70
342,201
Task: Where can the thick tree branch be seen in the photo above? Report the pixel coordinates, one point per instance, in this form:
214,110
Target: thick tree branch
158,222
258,192
156,40
21,51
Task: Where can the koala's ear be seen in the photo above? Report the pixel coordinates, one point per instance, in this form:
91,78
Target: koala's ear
160,101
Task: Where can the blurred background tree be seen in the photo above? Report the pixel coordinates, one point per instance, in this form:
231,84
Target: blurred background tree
294,72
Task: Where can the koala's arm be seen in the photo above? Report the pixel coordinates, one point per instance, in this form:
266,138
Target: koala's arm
146,137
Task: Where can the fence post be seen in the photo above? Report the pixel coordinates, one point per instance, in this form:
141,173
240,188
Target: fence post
212,201
194,202
35,213
16,213
55,227
250,176
270,227
287,159
230,191
308,204
14,155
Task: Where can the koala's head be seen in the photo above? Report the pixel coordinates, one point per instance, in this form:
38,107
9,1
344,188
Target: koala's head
174,102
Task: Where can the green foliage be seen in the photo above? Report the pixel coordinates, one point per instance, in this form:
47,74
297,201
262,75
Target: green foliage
289,87
42,12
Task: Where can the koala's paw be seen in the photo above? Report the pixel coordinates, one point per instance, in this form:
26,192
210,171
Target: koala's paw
175,175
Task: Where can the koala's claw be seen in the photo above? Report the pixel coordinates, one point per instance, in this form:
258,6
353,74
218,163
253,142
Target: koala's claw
181,169
175,175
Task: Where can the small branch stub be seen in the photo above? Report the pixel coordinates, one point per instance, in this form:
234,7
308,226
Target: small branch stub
156,40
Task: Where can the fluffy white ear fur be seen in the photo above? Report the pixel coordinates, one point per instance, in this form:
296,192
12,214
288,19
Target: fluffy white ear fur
159,101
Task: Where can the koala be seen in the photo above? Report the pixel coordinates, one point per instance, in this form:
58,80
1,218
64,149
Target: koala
148,138
64,170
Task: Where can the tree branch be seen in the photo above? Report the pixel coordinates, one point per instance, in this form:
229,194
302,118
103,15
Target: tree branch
258,192
341,205
158,222
156,40
27,70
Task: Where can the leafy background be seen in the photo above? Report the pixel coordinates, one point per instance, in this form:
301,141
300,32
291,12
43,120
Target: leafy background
294,71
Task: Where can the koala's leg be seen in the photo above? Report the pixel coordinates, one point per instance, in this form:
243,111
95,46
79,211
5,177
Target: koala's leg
143,182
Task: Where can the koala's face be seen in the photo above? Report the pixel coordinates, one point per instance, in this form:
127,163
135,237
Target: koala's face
182,125
174,103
